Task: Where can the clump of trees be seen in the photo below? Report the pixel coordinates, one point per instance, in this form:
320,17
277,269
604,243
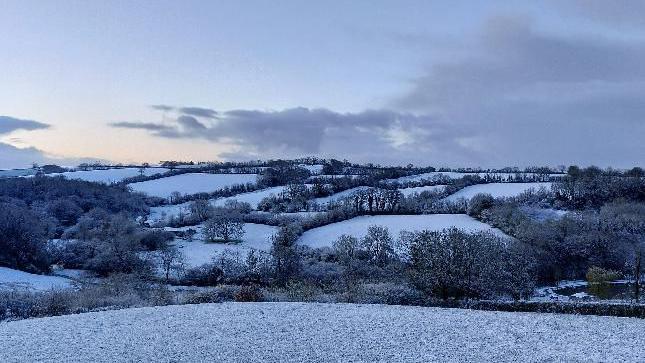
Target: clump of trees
456,264
592,187
224,225
283,173
109,243
23,238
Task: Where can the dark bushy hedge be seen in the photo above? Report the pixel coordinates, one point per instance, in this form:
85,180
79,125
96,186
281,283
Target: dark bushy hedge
602,309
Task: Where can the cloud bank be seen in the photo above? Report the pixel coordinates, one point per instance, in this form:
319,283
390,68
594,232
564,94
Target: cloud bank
513,95
10,124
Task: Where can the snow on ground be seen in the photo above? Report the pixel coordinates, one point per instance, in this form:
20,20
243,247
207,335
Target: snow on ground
340,195
161,215
543,214
300,215
16,172
109,176
416,190
427,176
306,332
199,252
326,235
191,183
332,176
455,175
11,279
497,190
253,198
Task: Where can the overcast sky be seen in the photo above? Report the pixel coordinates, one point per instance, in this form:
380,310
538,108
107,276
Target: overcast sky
445,83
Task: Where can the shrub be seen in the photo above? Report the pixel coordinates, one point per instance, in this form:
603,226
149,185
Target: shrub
250,293
597,275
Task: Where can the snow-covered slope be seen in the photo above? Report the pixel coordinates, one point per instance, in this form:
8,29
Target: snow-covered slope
338,196
191,183
497,190
14,279
199,252
301,332
456,175
253,198
357,227
416,190
109,176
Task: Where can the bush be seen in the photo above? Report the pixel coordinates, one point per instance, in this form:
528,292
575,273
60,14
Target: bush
156,239
205,297
597,275
249,294
479,203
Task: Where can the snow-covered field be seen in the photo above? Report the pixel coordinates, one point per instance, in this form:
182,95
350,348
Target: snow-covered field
428,176
497,190
332,176
301,332
455,175
109,176
191,183
16,172
161,214
19,280
340,195
199,252
416,190
326,235
253,198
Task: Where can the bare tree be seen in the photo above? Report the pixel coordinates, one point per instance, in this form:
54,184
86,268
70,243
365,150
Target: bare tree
224,225
200,209
171,260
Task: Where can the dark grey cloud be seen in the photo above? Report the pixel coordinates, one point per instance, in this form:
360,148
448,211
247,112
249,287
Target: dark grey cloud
203,112
372,135
149,126
198,112
190,123
9,124
526,97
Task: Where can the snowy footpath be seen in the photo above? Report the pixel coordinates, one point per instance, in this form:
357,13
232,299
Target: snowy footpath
300,332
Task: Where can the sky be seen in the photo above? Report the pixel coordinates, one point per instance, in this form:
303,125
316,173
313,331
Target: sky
443,83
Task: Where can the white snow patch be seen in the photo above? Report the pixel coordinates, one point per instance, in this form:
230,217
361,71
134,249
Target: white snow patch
109,176
338,196
11,279
199,252
456,175
302,332
191,183
253,198
497,190
417,190
326,235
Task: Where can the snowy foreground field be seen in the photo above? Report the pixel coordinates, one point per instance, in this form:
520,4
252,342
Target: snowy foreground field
326,235
300,332
191,183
